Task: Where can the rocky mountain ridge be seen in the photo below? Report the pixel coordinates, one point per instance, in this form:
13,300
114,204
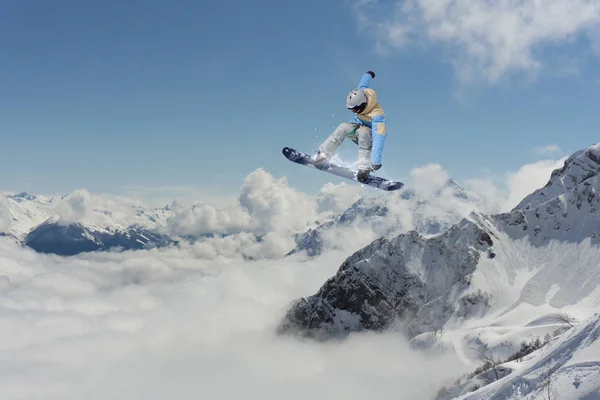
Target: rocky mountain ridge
422,283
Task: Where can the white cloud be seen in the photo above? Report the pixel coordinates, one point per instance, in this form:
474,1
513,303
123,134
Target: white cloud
489,196
244,245
483,38
492,199
429,178
266,207
75,208
164,324
547,150
447,199
265,204
260,223
273,205
351,238
337,197
439,203
97,209
159,196
529,178
502,196
204,218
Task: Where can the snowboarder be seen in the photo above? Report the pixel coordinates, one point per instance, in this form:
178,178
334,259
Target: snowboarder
367,130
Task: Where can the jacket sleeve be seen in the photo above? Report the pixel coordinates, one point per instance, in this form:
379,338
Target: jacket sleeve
378,132
365,81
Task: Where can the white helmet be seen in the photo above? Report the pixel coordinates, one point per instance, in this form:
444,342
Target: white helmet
356,101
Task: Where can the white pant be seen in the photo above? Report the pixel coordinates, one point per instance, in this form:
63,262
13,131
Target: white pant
359,134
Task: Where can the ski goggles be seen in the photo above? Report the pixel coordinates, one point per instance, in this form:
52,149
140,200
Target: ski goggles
358,109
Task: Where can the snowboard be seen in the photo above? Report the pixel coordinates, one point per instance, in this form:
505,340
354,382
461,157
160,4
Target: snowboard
374,181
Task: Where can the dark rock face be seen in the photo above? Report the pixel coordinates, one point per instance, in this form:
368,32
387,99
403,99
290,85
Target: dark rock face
364,210
406,280
311,241
67,240
572,216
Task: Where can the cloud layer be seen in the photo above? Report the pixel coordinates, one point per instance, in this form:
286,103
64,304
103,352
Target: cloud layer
265,204
483,38
97,209
162,323
198,319
262,221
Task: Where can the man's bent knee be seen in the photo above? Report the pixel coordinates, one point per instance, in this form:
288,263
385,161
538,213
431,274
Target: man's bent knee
344,129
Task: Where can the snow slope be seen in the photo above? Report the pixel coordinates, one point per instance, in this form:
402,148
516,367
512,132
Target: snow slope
22,212
579,167
566,368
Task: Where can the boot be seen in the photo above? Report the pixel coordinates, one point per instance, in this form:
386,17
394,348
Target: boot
320,161
362,175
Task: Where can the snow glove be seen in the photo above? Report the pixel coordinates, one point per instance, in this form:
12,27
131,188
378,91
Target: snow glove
371,73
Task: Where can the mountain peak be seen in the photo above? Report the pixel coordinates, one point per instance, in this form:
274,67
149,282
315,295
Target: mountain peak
458,191
451,182
23,196
579,167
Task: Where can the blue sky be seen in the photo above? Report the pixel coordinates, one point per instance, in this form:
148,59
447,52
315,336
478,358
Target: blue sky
108,95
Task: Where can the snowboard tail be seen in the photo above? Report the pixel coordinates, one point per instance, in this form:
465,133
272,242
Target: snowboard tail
374,181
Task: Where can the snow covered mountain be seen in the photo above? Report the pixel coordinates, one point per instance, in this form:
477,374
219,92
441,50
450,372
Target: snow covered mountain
566,367
479,286
75,238
79,222
395,213
20,212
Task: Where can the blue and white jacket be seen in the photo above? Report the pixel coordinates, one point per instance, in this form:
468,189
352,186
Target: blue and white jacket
373,117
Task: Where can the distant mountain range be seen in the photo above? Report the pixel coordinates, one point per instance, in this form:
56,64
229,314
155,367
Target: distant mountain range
35,221
46,224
